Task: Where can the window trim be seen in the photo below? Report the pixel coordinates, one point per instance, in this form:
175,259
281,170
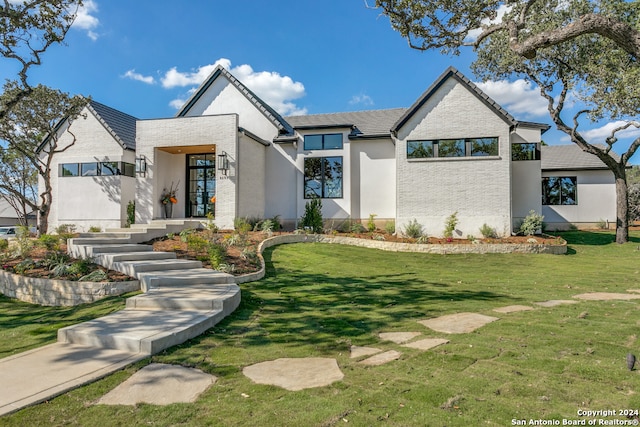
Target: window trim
322,180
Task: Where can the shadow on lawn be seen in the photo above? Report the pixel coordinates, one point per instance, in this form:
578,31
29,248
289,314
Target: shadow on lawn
592,238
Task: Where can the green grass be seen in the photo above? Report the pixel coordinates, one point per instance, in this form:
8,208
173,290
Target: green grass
317,300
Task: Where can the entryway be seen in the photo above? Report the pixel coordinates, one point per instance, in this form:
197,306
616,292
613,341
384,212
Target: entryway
201,184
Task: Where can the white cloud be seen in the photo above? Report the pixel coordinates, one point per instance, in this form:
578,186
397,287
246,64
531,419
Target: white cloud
519,98
276,90
473,35
598,135
361,99
85,19
131,74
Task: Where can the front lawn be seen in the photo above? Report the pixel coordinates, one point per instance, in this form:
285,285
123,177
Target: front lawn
317,300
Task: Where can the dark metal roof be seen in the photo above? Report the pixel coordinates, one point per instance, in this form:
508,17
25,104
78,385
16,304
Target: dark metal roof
363,123
283,127
452,72
122,126
568,157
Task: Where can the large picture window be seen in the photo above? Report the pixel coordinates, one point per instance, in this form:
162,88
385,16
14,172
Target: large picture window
329,141
462,147
525,151
560,190
323,177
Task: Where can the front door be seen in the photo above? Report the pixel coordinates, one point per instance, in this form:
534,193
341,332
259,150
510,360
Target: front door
201,184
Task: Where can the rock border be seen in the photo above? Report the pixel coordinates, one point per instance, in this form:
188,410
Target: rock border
480,248
66,293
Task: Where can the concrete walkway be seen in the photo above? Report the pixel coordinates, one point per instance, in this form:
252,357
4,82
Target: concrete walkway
181,300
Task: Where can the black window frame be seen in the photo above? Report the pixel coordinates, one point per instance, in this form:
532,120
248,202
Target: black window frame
461,148
562,197
323,141
118,168
321,178
62,167
521,155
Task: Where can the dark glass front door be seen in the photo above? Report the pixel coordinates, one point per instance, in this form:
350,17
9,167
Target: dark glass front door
201,184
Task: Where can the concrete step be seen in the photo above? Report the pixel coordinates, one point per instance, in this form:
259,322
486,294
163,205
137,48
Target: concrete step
116,233
134,268
175,278
141,331
85,251
107,259
98,240
199,297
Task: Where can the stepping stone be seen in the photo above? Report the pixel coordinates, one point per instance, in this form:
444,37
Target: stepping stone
606,296
556,302
295,374
426,344
459,323
363,351
398,337
512,309
160,384
382,358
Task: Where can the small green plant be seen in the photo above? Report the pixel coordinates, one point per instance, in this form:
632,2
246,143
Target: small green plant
488,232
55,258
184,234
24,265
49,241
602,224
423,240
25,244
532,223
250,255
4,245
413,229
357,228
227,268
217,255
390,227
471,238
211,226
277,223
267,227
450,225
379,237
81,267
312,218
94,276
95,229
371,225
131,213
66,231
242,225
197,243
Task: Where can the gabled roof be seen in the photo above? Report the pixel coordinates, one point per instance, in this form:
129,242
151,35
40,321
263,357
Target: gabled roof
284,128
373,123
452,72
568,157
120,125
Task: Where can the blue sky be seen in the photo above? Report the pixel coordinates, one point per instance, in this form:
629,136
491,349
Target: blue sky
144,57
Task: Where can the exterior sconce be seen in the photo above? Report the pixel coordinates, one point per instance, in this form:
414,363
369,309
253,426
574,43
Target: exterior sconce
223,163
141,166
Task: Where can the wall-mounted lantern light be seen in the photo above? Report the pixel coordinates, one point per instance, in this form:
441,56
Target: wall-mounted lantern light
223,163
141,166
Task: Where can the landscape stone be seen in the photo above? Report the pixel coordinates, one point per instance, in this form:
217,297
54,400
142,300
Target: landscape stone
398,337
426,344
459,323
295,374
606,296
363,351
382,358
160,384
556,302
512,309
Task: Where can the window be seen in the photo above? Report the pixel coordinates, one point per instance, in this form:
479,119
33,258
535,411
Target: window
462,147
89,169
109,169
323,177
560,190
331,141
526,151
129,169
68,169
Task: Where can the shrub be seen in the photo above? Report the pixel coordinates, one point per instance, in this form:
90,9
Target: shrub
450,225
488,232
184,234
49,241
242,225
211,226
390,227
356,227
66,231
267,227
94,276
531,224
4,244
371,225
196,243
602,224
424,239
54,258
25,244
312,218
131,213
95,229
81,267
217,255
413,229
277,224
24,265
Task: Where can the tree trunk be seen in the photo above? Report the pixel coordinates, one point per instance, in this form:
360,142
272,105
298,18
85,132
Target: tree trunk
622,207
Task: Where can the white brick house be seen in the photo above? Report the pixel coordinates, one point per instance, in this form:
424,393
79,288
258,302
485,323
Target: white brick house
231,154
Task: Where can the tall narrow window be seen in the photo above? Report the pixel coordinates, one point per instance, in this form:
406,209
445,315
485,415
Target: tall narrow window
323,177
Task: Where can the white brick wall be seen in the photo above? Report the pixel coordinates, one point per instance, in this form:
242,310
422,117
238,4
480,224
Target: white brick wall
251,182
479,189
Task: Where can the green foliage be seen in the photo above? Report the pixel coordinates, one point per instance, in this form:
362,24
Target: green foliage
357,228
634,202
211,225
371,225
81,267
24,242
131,213
49,241
450,224
24,265
488,232
531,224
312,218
184,234
95,229
4,245
55,258
66,231
602,224
196,243
217,255
94,276
267,227
414,229
390,227
242,225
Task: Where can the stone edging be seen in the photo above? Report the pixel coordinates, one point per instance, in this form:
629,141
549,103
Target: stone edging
53,292
481,248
